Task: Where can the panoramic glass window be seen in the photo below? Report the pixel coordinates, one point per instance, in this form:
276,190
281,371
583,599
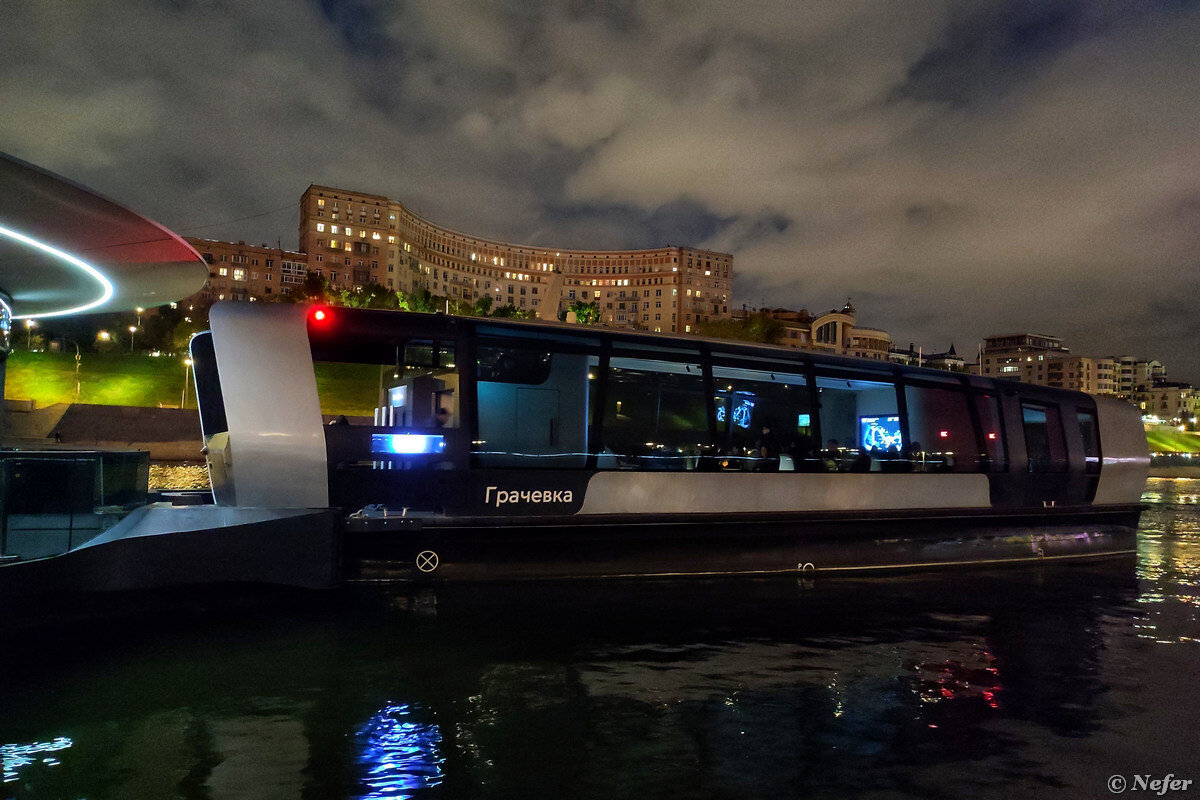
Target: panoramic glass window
1044,441
1091,441
993,433
655,416
422,390
764,420
939,425
532,405
860,422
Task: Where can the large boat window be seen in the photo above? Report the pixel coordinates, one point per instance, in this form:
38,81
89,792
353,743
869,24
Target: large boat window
993,432
764,420
1044,440
422,390
532,405
349,393
940,429
655,416
860,422
1091,440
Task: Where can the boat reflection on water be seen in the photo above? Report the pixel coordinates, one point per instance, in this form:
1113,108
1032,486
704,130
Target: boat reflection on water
399,753
980,684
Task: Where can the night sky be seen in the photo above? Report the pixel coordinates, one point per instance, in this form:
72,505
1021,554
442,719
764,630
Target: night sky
958,169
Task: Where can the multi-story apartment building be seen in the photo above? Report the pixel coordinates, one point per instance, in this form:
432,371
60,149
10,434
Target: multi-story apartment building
238,271
834,331
1019,356
1080,373
1133,372
1172,401
353,239
1044,360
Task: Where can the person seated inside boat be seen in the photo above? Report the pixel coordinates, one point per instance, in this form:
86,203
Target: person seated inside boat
861,462
766,451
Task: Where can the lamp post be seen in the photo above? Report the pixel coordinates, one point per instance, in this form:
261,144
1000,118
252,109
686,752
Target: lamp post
187,365
132,336
139,311
30,324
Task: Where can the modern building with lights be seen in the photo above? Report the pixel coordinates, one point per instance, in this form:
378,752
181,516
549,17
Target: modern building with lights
353,239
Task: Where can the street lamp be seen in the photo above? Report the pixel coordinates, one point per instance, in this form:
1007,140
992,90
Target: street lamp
187,364
132,336
30,324
139,311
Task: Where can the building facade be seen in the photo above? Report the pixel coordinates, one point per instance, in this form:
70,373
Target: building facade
238,271
835,331
1170,401
1019,356
353,239
948,360
1133,373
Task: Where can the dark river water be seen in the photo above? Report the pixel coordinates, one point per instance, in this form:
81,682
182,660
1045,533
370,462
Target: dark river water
1027,683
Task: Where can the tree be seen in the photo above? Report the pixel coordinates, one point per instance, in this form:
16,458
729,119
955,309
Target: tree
422,300
483,306
316,289
195,319
512,312
585,313
758,327
371,296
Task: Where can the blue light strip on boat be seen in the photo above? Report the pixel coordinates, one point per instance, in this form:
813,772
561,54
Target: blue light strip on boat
407,444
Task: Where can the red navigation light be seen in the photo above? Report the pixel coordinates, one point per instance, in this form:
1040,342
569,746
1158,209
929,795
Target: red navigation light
320,315
992,436
944,434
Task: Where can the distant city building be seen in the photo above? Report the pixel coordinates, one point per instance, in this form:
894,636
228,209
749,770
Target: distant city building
1019,356
1172,401
948,360
353,239
1133,373
835,331
238,271
1043,360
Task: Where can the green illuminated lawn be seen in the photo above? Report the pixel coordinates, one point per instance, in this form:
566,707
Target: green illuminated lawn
106,380
1167,441
125,380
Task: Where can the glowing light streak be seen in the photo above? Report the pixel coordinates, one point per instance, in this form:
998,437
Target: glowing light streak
105,284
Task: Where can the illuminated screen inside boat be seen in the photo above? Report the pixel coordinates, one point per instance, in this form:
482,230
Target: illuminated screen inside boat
407,444
881,432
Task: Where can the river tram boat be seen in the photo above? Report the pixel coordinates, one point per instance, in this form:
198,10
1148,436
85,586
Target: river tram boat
509,450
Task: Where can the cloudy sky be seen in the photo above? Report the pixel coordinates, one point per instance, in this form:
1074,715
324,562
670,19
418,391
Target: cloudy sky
958,169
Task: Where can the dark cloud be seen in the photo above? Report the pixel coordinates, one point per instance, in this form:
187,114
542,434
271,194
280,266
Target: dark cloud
958,169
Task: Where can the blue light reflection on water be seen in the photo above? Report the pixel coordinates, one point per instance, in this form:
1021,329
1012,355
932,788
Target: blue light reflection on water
401,754
15,756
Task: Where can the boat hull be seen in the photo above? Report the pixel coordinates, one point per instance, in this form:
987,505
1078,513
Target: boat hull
439,549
